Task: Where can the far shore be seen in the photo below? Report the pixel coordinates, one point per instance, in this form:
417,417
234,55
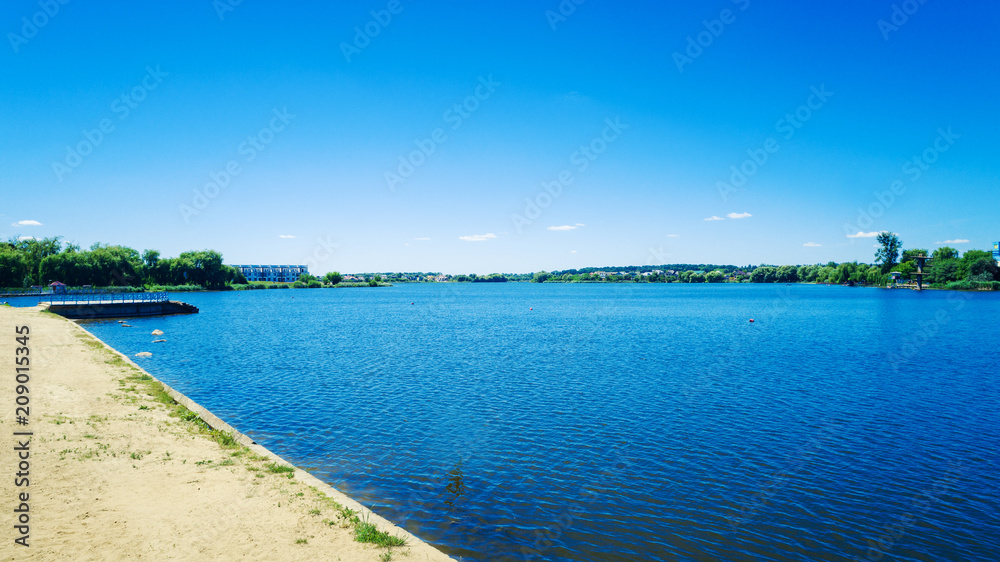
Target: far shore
122,467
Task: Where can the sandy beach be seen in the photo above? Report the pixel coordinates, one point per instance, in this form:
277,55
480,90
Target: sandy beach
117,471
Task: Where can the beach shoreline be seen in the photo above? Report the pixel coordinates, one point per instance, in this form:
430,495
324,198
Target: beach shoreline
116,472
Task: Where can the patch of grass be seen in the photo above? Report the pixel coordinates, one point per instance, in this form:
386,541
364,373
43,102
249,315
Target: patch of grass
301,541
365,531
226,439
137,455
275,468
314,512
200,463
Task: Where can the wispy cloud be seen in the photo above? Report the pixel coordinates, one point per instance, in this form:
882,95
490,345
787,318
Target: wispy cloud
572,251
739,215
958,241
26,238
580,224
27,223
673,236
285,236
863,235
565,227
422,238
715,218
812,245
478,237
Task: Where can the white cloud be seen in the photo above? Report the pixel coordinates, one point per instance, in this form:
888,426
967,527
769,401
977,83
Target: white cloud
27,223
478,237
958,241
285,236
715,218
26,238
423,238
564,227
812,245
739,215
580,224
673,236
863,235
572,251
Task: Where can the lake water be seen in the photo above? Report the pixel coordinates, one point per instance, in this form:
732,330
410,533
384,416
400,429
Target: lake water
619,422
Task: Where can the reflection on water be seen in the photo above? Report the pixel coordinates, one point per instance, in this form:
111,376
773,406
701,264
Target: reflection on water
456,484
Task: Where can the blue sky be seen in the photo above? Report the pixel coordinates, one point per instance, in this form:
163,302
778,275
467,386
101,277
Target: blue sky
276,133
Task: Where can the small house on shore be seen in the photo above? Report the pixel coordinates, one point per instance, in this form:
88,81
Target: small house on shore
57,288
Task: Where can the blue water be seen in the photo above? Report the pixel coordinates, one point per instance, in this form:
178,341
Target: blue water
619,422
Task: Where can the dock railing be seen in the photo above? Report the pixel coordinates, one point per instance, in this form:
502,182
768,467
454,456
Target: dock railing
103,297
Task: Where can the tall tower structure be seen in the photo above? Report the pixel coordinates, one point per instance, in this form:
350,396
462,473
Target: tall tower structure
921,260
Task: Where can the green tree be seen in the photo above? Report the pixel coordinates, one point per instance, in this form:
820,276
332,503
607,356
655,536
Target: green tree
333,277
888,253
765,274
969,258
13,268
944,271
540,277
715,276
909,255
787,274
985,269
33,251
945,253
906,268
150,258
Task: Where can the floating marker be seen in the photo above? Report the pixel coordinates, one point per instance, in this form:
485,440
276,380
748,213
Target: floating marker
751,320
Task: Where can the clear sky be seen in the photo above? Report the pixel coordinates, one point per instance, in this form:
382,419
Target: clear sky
420,136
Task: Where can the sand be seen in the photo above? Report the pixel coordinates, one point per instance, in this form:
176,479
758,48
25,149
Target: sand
113,476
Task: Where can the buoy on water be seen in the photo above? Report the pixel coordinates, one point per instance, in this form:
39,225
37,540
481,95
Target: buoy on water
751,320
529,308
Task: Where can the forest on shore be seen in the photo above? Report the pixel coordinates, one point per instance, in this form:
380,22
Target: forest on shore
25,263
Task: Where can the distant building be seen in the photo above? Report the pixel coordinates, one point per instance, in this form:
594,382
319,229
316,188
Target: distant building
57,287
272,273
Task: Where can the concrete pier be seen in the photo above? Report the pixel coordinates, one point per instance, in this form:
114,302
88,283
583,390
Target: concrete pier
118,309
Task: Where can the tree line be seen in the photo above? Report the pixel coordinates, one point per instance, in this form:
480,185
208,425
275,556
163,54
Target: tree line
24,263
